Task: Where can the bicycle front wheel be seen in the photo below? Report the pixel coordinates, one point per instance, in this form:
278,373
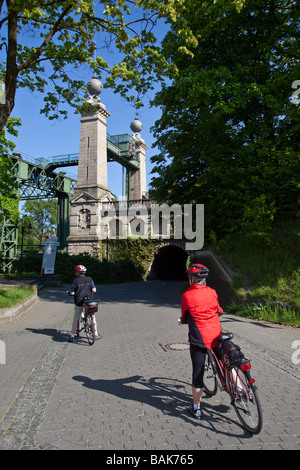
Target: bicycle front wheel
245,400
209,378
90,330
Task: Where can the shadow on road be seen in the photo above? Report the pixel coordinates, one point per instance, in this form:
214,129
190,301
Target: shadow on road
167,395
158,292
56,334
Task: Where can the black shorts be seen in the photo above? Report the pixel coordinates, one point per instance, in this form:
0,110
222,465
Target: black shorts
198,359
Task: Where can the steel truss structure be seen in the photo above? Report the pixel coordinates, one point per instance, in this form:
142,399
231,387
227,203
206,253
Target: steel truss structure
35,181
38,180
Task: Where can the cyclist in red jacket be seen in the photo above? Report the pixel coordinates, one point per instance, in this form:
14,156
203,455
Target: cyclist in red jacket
200,309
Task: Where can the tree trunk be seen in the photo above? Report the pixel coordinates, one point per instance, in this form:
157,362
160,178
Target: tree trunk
11,65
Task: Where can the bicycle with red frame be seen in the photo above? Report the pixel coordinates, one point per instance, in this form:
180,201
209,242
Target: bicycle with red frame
227,368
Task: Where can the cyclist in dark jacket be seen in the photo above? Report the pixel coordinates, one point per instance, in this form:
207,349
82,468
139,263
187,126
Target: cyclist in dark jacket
201,310
81,287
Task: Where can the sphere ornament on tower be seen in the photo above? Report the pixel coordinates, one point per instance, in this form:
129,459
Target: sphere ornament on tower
136,125
94,86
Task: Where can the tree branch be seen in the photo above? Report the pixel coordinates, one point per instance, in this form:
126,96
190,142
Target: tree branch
33,59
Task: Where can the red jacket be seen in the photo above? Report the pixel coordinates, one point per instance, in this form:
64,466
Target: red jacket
200,309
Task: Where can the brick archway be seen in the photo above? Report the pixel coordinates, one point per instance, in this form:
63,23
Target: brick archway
169,263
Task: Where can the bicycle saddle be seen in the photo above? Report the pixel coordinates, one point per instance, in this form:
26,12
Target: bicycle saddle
225,336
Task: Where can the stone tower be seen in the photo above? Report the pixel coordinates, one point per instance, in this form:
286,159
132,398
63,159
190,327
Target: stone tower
138,183
91,188
92,165
92,210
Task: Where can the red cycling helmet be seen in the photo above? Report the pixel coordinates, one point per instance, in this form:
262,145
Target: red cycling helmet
198,271
80,269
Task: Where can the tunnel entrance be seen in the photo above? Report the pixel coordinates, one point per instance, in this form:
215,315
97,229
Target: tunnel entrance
169,263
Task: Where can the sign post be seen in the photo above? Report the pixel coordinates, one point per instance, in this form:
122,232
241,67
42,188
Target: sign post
50,247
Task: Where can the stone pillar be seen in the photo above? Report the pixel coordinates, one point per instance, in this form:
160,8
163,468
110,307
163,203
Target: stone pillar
138,183
92,164
91,188
137,178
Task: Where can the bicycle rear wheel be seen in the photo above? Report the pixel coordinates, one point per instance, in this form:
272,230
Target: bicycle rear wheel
209,377
245,400
90,330
80,327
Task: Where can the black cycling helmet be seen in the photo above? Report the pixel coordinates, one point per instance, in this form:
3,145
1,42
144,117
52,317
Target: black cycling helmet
198,271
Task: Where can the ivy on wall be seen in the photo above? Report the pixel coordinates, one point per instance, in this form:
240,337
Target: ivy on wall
116,260
139,250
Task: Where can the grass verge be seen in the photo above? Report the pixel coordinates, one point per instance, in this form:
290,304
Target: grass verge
14,295
268,276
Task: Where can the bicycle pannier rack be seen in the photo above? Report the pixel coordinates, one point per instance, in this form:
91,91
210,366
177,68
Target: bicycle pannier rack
91,307
232,352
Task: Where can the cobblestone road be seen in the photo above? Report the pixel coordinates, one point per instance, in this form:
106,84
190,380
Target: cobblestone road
130,390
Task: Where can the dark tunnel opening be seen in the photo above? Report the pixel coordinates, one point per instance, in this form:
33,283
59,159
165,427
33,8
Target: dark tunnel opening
169,263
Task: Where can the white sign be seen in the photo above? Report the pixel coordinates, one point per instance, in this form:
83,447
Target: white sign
2,353
50,247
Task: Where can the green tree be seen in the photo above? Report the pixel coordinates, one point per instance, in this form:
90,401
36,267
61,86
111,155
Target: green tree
229,132
8,190
42,214
42,39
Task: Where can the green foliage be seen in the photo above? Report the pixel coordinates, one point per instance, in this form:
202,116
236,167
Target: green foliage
258,219
42,215
267,312
138,249
8,189
124,270
129,261
228,136
11,297
45,38
31,263
269,275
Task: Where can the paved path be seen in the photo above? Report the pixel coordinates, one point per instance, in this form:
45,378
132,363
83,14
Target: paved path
130,391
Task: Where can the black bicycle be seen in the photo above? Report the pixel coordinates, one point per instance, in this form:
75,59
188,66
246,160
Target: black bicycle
226,368
87,322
